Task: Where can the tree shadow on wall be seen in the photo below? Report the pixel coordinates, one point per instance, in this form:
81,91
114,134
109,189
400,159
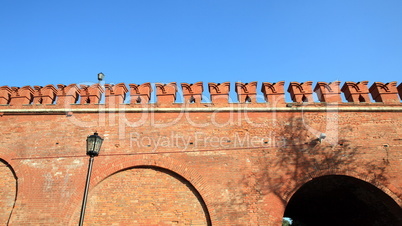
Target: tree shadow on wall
300,156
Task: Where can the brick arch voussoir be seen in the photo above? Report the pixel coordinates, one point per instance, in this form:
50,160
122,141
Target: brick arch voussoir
105,169
7,161
358,174
14,166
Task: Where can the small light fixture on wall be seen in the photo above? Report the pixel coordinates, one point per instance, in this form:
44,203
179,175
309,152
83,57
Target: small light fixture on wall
322,137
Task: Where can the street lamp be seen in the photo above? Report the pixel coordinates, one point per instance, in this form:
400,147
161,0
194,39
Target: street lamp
94,143
101,76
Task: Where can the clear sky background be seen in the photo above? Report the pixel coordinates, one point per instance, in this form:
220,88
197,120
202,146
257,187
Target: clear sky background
135,41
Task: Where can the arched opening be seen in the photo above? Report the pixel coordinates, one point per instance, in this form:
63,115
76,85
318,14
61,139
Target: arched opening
342,200
146,196
8,191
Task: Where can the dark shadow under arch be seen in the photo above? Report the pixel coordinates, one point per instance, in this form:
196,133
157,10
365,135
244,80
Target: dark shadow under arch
176,176
342,200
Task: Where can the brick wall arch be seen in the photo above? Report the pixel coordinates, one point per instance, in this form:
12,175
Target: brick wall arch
342,200
107,167
388,189
8,191
231,175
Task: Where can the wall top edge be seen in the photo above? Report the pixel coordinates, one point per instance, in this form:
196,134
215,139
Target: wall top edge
235,108
217,93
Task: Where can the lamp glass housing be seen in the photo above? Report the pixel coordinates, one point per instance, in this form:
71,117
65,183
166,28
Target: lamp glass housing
101,76
94,143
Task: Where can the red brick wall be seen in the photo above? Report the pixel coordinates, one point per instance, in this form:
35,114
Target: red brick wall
243,164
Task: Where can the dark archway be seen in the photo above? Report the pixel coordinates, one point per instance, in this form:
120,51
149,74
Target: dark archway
342,200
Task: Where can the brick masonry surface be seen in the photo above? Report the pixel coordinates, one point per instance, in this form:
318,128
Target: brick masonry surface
192,163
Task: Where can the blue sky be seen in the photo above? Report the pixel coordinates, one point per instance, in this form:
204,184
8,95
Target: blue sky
61,42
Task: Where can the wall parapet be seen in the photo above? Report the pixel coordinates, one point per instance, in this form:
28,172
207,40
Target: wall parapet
192,94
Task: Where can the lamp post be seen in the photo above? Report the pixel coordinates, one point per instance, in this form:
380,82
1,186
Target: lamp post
94,143
101,76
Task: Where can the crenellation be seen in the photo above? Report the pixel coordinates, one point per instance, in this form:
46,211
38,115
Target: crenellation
274,93
166,93
301,92
384,92
192,93
67,95
356,92
219,92
37,95
328,92
91,94
115,94
21,96
44,95
246,92
140,94
5,95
